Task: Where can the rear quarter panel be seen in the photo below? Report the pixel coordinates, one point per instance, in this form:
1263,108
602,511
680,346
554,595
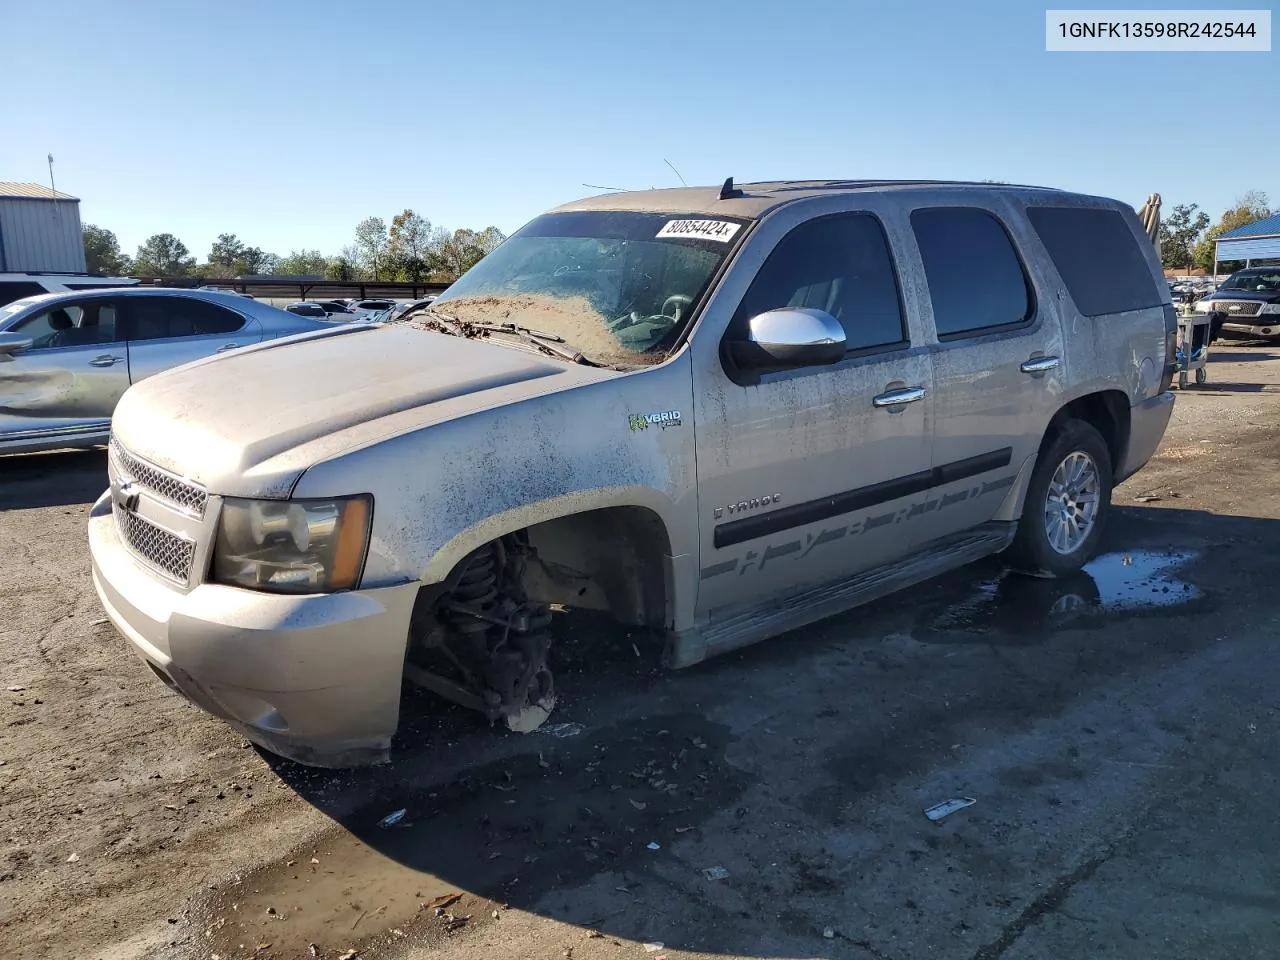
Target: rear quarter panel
1121,351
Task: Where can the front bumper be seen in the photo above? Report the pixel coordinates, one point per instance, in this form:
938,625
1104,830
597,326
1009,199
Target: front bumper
314,678
1148,420
1257,327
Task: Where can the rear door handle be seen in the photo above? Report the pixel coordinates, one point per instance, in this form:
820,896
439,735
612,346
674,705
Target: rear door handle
226,346
894,398
106,360
1040,364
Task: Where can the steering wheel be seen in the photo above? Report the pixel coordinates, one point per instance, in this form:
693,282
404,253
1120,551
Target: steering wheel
680,300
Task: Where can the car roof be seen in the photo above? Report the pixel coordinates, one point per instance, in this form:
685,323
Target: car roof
754,200
232,300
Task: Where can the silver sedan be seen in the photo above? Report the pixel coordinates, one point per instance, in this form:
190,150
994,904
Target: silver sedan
66,358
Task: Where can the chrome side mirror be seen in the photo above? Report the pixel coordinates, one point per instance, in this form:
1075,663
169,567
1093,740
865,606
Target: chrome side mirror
790,337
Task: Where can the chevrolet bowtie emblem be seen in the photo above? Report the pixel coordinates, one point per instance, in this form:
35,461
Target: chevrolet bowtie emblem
125,495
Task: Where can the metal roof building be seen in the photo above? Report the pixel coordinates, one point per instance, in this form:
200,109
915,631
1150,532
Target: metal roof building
39,230
1254,241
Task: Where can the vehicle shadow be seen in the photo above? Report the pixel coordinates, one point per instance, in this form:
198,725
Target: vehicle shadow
1220,386
610,823
59,479
1229,356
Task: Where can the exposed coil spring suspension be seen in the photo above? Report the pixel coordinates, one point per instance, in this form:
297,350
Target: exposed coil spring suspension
476,590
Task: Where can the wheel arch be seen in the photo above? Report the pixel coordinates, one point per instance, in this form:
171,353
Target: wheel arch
1107,411
611,552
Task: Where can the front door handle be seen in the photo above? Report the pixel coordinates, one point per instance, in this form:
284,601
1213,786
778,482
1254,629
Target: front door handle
106,360
894,398
1040,364
226,346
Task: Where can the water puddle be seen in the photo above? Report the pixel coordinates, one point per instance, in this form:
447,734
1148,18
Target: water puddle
1115,583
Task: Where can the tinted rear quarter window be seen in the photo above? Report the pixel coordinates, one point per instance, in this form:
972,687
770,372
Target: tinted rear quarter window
1098,258
976,281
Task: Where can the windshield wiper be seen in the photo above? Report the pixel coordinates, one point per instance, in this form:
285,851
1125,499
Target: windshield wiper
546,342
516,328
549,346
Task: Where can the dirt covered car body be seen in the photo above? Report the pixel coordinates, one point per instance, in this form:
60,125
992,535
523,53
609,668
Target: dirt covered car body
723,413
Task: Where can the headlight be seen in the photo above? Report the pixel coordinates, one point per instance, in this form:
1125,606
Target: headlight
1270,308
1204,306
292,546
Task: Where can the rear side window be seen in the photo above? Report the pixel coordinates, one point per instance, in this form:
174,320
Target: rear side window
1098,257
11,290
159,318
840,264
976,281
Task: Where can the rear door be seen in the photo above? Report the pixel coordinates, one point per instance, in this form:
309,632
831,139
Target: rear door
72,375
168,331
998,359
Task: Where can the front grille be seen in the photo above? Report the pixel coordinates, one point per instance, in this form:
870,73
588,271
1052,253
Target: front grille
1248,308
187,496
165,552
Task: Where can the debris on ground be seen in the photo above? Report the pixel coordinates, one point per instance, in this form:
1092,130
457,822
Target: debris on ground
97,623
653,846
349,955
654,947
16,689
442,901
391,819
716,873
948,807
828,933
73,858
1147,499
639,805
561,730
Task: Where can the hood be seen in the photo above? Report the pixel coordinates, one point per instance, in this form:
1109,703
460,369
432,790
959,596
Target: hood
249,422
1263,296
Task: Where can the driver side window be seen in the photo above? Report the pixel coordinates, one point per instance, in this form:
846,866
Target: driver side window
840,264
71,325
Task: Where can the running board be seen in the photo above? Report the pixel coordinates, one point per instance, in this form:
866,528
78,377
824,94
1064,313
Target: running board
720,634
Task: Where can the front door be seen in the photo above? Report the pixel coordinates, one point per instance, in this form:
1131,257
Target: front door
998,362
168,331
807,475
67,383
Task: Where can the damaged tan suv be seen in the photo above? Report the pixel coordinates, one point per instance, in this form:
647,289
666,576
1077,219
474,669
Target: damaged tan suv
723,412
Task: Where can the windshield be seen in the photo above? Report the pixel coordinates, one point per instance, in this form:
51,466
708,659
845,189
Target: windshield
1268,282
11,310
617,287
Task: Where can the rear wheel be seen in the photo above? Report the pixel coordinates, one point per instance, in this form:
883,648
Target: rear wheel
1067,504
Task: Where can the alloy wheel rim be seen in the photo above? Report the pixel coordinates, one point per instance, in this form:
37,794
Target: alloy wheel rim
1071,506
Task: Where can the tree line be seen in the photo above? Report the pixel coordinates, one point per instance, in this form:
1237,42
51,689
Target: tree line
1186,237
409,249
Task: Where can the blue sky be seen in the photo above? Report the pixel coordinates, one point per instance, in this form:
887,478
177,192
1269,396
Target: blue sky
287,122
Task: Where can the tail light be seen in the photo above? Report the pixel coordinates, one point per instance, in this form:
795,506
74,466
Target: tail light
1170,347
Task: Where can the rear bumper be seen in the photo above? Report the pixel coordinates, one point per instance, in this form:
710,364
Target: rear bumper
1147,423
313,678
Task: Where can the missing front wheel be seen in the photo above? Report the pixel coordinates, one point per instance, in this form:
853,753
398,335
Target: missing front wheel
481,643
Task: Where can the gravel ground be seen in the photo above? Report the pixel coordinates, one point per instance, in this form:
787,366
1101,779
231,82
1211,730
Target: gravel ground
1118,733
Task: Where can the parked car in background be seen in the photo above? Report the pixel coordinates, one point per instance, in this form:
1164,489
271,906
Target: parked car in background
16,286
1247,302
720,413
333,306
371,306
66,358
307,309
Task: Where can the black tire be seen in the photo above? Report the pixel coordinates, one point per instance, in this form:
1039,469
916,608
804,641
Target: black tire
1031,551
